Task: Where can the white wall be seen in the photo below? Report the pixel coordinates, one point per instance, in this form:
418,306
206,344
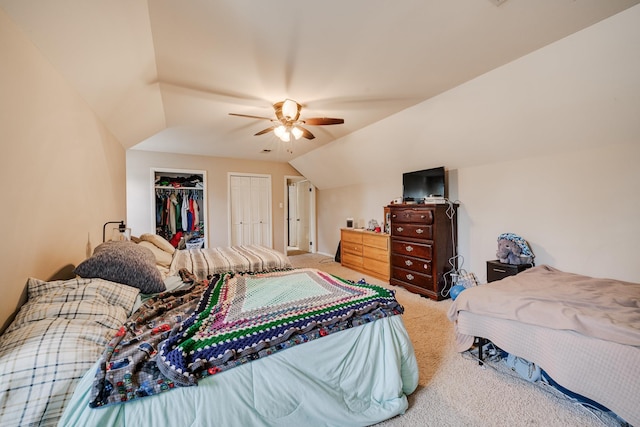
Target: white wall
140,212
578,210
62,172
544,147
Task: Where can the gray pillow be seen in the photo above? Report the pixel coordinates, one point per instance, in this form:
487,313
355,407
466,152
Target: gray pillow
123,262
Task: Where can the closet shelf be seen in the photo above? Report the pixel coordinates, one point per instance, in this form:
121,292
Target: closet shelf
171,187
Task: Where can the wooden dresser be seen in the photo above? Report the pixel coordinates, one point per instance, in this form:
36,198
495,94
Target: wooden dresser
365,251
422,239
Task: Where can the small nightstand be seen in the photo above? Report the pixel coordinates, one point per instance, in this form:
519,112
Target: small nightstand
497,270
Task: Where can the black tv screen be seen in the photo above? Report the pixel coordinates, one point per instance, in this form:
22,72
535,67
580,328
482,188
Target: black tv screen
425,183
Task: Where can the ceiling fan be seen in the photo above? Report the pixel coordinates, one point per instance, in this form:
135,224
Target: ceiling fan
288,123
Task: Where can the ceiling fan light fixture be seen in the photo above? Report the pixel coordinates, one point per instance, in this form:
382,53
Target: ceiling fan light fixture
290,109
297,132
287,121
280,131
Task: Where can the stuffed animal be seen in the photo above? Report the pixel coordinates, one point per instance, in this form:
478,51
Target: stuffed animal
513,249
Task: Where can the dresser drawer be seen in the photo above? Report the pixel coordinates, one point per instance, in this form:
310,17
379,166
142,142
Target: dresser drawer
352,248
380,241
375,253
351,236
418,250
351,260
413,277
414,264
414,231
376,268
497,270
422,216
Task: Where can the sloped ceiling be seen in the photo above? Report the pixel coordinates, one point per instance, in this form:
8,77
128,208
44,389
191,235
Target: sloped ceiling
164,74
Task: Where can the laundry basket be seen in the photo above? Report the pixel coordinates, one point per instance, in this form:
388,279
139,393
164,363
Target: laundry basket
195,243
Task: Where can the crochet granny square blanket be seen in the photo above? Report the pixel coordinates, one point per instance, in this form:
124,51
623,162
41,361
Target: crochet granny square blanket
177,338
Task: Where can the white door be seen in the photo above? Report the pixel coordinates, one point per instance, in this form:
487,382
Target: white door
250,209
301,220
292,215
303,202
261,211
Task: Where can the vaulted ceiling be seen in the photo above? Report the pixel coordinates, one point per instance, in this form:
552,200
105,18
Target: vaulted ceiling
164,74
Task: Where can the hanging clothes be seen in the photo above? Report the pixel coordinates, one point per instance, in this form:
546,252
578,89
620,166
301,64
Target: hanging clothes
185,210
196,215
178,210
173,202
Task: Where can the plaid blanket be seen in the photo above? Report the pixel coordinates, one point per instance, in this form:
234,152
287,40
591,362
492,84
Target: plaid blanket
180,337
54,340
206,262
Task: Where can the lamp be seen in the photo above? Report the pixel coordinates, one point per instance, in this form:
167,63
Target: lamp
121,233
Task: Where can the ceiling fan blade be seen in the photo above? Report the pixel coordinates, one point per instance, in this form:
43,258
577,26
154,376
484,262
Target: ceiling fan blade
263,131
321,121
306,133
250,116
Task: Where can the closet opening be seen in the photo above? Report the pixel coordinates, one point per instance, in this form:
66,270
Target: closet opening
180,207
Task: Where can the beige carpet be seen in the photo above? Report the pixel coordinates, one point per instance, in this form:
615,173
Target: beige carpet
454,390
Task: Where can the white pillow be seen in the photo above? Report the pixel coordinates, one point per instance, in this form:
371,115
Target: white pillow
162,258
159,242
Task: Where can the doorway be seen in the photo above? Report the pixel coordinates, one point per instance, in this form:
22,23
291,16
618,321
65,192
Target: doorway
300,216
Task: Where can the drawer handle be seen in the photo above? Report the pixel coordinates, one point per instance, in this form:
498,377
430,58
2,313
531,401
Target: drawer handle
408,263
426,266
423,216
497,270
419,231
399,229
409,248
410,277
355,248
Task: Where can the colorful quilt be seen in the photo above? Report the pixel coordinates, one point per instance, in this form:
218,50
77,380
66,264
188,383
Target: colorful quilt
177,338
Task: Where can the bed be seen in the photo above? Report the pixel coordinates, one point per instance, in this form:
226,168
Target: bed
350,362
583,332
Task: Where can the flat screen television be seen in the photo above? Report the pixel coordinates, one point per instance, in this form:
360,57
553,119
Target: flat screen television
425,183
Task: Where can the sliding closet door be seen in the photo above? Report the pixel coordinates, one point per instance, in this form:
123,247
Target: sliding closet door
250,209
240,205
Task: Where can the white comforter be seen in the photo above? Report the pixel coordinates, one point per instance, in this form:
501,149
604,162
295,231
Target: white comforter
543,296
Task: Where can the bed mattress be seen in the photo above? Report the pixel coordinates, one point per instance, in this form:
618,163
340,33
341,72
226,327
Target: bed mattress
582,331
